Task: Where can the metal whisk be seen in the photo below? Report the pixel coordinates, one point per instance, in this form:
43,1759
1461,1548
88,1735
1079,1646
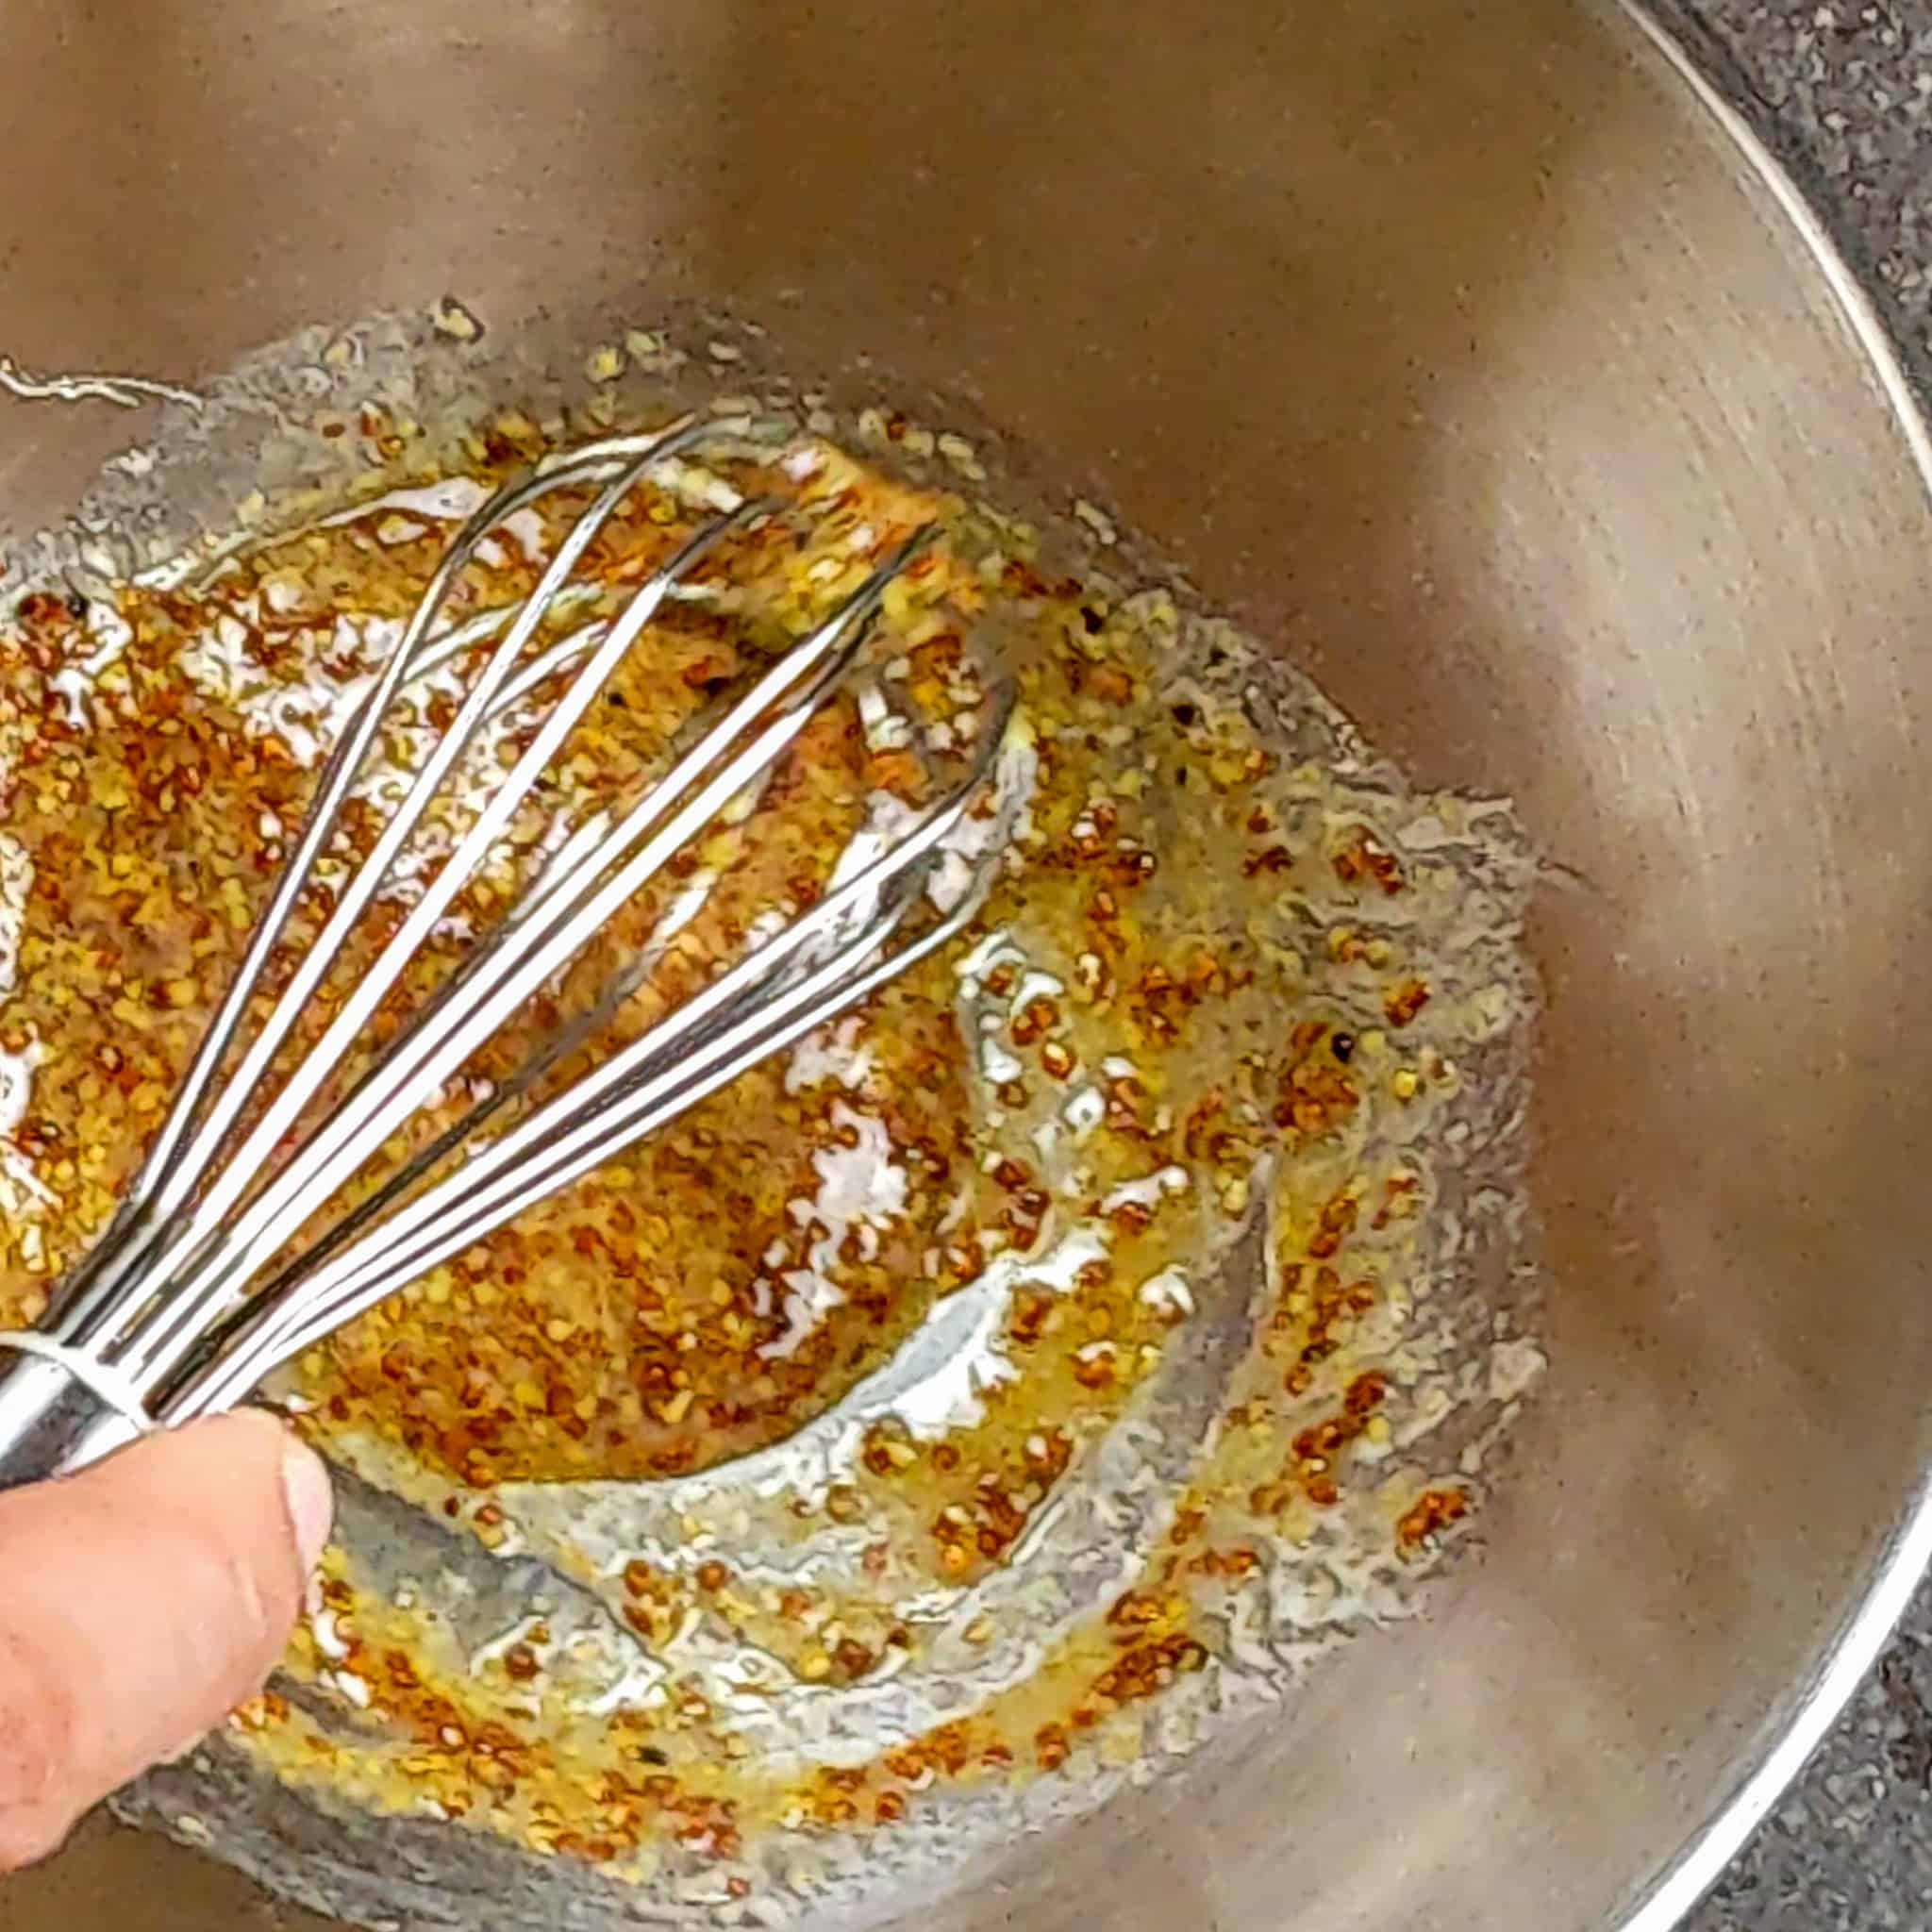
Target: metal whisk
189,1298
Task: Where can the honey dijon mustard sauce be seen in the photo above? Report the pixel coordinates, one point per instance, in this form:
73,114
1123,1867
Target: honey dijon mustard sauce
964,1412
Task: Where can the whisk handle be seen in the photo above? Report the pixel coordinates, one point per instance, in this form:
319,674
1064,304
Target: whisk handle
51,1421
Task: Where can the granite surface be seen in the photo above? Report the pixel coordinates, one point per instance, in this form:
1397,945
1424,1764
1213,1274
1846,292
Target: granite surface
1844,93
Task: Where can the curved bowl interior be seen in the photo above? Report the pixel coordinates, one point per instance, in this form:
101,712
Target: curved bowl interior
1460,352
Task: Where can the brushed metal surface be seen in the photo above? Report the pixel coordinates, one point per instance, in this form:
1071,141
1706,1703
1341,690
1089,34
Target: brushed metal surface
1462,352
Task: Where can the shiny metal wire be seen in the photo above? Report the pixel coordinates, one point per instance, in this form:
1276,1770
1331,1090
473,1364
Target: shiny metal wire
172,1303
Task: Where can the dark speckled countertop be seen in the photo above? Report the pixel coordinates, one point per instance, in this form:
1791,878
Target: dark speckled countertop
1842,91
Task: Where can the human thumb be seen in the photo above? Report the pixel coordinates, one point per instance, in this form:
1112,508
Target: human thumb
140,1602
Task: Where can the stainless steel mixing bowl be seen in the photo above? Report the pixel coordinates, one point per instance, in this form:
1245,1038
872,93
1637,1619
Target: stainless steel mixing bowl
1469,355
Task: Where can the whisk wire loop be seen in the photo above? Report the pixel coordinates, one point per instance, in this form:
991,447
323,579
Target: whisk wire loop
192,1294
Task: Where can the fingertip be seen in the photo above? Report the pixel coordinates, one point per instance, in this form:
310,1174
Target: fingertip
310,1498
210,1531
308,1501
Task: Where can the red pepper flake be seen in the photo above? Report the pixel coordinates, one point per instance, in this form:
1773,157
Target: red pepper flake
1431,1513
1404,1002
1039,1016
1150,1667
1337,1222
1363,858
1366,1393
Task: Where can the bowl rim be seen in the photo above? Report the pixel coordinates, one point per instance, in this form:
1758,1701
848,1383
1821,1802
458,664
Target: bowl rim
1848,1654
